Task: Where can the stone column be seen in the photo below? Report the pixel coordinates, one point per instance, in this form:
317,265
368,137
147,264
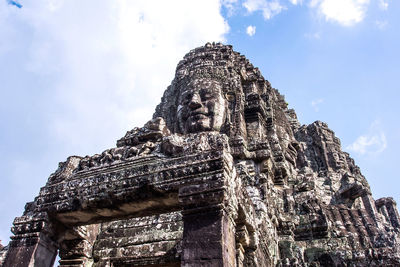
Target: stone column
32,243
387,206
76,245
370,206
208,229
242,242
208,238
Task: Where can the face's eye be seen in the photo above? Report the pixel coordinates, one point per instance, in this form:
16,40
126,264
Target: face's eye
186,97
206,95
230,96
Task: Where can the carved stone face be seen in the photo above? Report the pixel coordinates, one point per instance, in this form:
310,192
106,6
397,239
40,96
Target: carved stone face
201,107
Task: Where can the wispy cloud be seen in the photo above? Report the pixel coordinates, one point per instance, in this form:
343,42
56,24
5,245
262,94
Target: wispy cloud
269,8
230,5
344,12
316,103
104,72
381,24
296,2
383,4
315,35
251,30
85,78
372,142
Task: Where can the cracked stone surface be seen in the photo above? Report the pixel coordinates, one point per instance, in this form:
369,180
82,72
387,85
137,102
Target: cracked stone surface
222,175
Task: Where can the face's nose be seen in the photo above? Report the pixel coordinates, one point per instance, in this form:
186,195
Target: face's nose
195,101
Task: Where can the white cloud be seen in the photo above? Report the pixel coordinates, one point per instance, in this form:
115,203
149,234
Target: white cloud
296,2
269,8
383,4
82,73
251,30
316,103
373,142
344,12
230,5
108,69
315,35
381,24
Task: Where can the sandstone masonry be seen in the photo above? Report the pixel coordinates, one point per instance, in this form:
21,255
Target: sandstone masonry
223,175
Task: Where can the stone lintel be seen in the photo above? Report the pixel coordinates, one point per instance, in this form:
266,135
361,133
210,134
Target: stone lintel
134,189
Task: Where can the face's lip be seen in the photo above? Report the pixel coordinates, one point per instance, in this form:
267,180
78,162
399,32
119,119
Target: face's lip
198,112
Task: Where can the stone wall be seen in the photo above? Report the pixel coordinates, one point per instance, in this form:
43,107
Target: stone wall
223,175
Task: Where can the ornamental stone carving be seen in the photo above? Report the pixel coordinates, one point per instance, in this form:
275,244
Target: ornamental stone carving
222,175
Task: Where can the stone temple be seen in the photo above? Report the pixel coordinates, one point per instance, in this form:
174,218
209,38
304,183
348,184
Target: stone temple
222,175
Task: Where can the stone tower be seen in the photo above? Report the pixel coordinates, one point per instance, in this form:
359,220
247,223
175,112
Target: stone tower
223,175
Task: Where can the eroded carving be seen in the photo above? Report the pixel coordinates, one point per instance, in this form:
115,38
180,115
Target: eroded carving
223,175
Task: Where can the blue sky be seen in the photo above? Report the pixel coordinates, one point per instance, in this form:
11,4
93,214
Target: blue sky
76,75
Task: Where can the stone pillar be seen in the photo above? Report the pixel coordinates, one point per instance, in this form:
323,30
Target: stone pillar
388,208
391,207
208,238
240,253
242,242
370,206
31,244
76,245
208,228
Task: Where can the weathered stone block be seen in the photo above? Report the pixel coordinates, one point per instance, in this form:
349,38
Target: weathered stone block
223,175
